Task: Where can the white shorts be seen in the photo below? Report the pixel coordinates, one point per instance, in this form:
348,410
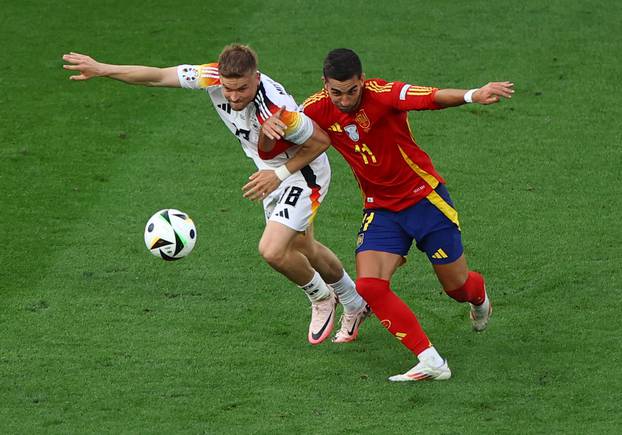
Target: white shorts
296,201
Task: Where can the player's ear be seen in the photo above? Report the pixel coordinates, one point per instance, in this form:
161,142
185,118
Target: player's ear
362,77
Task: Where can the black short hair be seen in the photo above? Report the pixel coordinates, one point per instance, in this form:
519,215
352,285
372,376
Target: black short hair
342,64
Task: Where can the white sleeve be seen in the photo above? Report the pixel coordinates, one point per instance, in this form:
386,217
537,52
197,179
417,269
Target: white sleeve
188,76
198,76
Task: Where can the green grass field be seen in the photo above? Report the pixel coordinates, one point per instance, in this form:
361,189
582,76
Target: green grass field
98,336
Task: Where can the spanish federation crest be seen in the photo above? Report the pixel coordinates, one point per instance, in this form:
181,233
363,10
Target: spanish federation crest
362,120
352,131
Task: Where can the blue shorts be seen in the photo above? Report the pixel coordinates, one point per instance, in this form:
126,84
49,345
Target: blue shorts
432,223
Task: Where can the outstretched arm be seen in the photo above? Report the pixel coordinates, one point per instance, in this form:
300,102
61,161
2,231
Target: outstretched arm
488,94
87,68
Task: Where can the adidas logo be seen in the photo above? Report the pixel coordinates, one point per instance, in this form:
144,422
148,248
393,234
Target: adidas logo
283,213
226,107
439,254
400,335
336,128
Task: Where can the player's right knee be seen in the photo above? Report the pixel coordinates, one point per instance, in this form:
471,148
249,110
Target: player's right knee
273,255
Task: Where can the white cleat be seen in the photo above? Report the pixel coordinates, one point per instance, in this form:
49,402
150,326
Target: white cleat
424,372
480,314
350,323
322,319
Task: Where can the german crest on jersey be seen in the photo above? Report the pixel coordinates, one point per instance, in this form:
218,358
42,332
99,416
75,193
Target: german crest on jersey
352,131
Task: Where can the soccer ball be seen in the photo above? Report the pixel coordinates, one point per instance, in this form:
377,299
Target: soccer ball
170,234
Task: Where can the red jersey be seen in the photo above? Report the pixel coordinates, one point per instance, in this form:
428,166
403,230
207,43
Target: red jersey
392,171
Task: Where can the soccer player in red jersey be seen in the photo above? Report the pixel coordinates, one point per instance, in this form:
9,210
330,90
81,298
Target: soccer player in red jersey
405,198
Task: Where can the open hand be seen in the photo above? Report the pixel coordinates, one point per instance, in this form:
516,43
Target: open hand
261,184
85,65
492,92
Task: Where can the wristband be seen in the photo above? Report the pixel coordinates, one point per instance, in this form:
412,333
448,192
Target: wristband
282,172
468,97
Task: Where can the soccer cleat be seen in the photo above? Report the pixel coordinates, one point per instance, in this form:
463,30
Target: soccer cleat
423,372
480,314
350,324
322,319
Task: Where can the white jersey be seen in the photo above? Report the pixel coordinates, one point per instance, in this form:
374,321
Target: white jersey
245,124
297,199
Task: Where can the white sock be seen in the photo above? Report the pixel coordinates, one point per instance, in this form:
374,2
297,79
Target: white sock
316,289
431,357
345,289
482,309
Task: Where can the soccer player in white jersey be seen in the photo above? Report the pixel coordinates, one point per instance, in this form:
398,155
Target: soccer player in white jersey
292,179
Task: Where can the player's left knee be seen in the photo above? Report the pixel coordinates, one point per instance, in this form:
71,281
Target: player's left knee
453,275
456,282
473,282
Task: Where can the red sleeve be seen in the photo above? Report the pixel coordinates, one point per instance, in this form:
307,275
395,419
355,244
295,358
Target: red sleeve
279,147
405,96
314,108
295,129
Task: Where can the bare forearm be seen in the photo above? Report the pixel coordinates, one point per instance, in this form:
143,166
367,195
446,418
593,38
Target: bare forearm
137,75
488,94
449,97
262,182
308,153
311,149
86,68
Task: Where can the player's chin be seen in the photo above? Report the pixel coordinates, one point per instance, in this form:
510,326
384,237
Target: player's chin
239,105
345,109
